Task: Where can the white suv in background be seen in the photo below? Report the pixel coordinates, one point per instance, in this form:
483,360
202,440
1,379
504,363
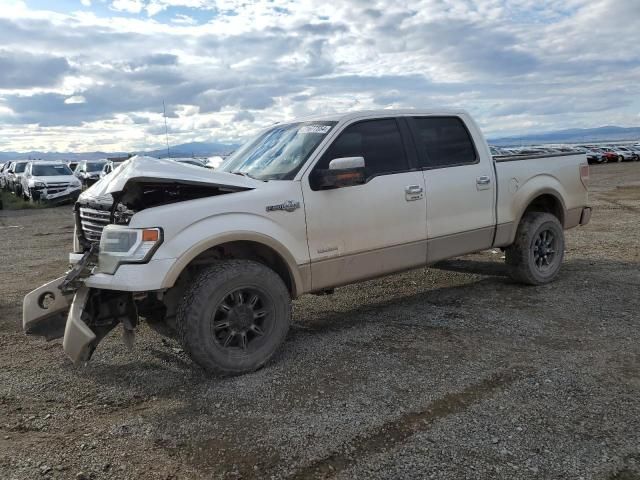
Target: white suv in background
50,181
88,171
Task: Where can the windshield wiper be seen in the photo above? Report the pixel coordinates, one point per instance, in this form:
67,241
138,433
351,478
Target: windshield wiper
243,174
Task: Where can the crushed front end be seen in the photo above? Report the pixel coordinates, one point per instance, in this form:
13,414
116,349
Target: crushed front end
66,307
112,277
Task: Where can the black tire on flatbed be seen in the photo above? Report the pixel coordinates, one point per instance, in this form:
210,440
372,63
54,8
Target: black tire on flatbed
536,255
234,316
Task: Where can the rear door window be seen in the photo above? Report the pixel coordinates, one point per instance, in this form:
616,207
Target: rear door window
443,142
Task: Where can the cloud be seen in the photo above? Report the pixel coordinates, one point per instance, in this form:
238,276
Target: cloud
182,19
243,116
229,67
75,99
22,70
130,6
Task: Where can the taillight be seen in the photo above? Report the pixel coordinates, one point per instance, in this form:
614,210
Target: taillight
584,174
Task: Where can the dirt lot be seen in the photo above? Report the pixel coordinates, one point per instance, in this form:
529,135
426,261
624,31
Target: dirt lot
453,372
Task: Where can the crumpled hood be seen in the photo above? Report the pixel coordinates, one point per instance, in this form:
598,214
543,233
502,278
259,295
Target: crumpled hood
149,169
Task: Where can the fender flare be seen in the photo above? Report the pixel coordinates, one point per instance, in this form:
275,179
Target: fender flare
298,283
532,196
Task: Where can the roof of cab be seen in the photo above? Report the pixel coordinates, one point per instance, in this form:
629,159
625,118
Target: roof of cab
346,116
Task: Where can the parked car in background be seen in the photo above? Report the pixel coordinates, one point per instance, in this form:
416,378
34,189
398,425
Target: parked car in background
72,165
51,182
3,174
628,153
110,166
88,171
621,155
635,149
14,174
609,156
594,155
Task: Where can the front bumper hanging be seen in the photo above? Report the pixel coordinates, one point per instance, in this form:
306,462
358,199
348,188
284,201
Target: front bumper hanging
65,307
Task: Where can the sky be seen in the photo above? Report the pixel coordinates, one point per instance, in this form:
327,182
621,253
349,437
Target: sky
84,75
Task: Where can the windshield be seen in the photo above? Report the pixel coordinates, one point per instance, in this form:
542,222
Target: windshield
94,166
49,170
278,153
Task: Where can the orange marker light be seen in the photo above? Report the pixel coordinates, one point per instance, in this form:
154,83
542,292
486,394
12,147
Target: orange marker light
150,235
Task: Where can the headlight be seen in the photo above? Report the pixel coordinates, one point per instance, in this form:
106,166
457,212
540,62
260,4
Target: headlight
120,245
39,185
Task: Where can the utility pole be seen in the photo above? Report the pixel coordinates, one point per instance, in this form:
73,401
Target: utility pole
166,129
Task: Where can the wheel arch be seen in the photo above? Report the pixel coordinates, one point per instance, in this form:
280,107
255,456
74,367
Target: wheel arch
243,245
546,200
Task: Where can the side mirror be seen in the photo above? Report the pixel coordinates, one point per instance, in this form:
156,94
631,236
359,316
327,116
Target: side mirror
346,163
342,172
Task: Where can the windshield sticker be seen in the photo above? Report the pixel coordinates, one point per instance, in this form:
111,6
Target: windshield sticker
315,129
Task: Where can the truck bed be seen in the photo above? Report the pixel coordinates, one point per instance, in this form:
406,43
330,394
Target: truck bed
522,178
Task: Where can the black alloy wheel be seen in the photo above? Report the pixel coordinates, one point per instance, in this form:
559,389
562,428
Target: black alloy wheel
544,250
242,318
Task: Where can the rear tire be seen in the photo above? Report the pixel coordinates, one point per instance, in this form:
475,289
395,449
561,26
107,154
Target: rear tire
234,316
536,254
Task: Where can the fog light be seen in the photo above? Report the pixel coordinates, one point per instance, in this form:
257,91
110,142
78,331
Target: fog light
46,300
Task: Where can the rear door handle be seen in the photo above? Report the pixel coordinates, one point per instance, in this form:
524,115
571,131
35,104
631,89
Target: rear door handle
413,192
483,182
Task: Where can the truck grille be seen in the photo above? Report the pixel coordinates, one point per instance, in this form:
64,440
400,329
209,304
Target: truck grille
92,222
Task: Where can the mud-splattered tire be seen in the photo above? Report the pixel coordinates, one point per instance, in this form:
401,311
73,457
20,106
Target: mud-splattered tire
234,316
538,250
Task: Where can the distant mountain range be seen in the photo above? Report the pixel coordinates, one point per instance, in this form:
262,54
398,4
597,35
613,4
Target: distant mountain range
193,149
574,135
208,149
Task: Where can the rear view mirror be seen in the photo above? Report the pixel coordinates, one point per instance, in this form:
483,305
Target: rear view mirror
342,172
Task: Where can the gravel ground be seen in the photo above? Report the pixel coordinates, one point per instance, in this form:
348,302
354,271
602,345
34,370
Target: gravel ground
449,372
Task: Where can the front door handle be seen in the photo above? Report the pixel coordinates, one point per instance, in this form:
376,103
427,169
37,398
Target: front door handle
413,192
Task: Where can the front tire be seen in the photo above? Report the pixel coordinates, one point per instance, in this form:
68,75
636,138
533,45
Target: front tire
538,250
234,316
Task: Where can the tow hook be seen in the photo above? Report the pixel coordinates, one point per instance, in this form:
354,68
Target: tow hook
80,270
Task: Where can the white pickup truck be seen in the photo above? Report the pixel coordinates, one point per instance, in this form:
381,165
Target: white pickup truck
215,257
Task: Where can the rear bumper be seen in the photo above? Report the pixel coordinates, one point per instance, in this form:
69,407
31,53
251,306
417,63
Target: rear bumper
586,216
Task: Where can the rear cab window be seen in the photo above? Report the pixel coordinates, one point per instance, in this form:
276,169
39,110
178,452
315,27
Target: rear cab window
443,142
